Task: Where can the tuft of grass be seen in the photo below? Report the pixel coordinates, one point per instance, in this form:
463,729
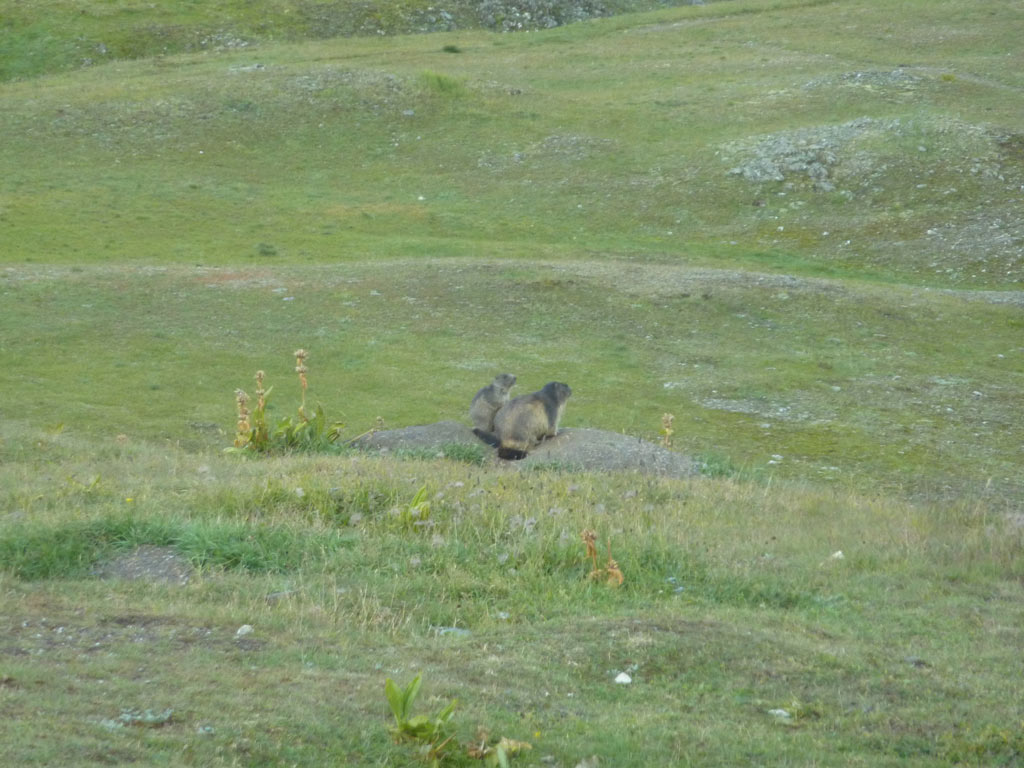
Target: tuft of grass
443,85
461,452
469,454
72,549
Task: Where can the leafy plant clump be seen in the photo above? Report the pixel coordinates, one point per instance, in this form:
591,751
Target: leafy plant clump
416,514
495,754
308,430
433,734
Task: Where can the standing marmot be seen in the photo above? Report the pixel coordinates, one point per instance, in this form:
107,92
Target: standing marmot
528,419
486,403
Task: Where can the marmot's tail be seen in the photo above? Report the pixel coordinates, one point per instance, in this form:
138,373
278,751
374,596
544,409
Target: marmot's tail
487,437
512,454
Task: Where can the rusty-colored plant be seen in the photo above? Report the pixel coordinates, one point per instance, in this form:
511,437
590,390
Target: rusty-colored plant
666,429
302,370
243,429
611,572
308,431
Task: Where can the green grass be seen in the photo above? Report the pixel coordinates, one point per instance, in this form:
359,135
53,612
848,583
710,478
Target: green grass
147,159
841,349
885,387
734,604
74,35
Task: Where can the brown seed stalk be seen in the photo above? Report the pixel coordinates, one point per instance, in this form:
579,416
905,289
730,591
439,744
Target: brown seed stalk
666,429
302,370
244,429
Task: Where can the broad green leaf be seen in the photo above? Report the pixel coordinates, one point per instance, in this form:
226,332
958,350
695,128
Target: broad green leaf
395,699
411,691
446,714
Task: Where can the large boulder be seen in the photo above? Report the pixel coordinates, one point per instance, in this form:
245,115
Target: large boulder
421,437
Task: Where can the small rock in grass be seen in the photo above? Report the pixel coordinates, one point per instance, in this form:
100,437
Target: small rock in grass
452,631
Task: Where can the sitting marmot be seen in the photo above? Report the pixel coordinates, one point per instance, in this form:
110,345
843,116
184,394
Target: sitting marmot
526,420
486,403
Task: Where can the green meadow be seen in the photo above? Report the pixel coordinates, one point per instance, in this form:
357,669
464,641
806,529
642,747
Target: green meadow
794,226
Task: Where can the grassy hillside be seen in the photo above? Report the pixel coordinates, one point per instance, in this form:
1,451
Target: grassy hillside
66,35
662,136
793,225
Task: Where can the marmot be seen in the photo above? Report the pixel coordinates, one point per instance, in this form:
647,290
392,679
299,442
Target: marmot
486,403
528,419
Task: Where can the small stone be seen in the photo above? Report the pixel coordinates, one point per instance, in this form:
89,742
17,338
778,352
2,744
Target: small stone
452,631
242,631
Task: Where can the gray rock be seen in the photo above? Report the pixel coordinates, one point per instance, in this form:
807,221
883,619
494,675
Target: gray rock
431,436
600,450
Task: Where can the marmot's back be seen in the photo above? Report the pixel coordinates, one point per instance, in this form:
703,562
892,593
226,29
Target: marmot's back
526,420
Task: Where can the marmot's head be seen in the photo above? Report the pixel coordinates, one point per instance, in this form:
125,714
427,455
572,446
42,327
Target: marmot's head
505,381
557,391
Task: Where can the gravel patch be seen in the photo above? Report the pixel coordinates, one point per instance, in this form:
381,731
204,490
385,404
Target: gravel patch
806,153
148,563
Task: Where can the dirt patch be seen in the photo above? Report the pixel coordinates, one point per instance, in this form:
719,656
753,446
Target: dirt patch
148,563
574,449
61,634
